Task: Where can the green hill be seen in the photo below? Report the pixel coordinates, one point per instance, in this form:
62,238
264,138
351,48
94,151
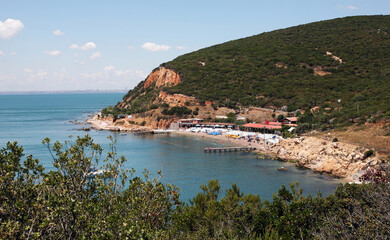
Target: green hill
300,67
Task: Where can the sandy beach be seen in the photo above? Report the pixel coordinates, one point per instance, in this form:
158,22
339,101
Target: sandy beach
234,142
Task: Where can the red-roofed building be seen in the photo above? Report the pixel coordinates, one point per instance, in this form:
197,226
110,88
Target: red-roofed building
271,126
274,123
290,121
257,126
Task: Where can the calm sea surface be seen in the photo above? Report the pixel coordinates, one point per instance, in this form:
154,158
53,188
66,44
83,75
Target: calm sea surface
29,119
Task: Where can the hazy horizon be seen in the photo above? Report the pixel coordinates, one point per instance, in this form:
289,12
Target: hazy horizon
64,91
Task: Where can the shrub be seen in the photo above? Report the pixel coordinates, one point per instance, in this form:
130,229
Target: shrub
378,174
165,105
291,108
65,203
153,106
280,117
178,111
369,153
303,128
231,115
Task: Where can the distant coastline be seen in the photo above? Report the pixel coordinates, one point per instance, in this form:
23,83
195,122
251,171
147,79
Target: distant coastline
62,92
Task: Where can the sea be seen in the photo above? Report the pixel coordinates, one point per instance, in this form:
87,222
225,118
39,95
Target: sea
30,118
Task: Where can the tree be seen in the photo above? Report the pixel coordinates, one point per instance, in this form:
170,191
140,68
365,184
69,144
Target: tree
70,203
280,117
20,195
357,99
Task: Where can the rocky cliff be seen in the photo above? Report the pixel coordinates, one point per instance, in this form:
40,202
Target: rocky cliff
162,77
158,79
145,102
175,99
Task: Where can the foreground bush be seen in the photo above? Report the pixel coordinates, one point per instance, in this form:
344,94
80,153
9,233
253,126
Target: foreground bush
66,204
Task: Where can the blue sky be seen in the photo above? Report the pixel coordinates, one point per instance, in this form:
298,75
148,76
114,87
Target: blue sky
79,45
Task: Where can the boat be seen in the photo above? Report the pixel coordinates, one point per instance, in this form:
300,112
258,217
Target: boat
93,172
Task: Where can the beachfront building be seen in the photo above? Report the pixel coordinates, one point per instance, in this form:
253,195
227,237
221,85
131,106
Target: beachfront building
290,120
218,125
190,122
270,127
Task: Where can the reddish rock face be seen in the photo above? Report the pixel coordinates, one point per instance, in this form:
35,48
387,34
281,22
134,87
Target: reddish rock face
163,77
175,99
163,123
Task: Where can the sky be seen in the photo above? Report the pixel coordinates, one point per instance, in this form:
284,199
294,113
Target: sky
52,45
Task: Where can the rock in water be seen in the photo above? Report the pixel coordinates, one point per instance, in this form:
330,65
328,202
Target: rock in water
282,169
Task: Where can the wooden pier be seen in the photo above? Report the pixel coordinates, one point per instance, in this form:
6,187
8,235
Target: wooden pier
143,132
229,149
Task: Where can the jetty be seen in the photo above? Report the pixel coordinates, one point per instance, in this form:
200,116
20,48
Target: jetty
163,131
157,131
229,149
143,132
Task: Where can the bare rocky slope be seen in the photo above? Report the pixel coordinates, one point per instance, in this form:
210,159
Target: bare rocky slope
151,92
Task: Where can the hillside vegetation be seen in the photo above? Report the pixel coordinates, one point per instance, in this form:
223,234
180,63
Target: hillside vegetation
300,67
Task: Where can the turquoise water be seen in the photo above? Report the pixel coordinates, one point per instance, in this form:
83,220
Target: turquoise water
28,119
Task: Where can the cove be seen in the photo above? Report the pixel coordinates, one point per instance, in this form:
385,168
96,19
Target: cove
28,119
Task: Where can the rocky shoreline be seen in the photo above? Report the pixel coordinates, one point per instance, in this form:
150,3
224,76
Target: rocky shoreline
339,159
108,125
